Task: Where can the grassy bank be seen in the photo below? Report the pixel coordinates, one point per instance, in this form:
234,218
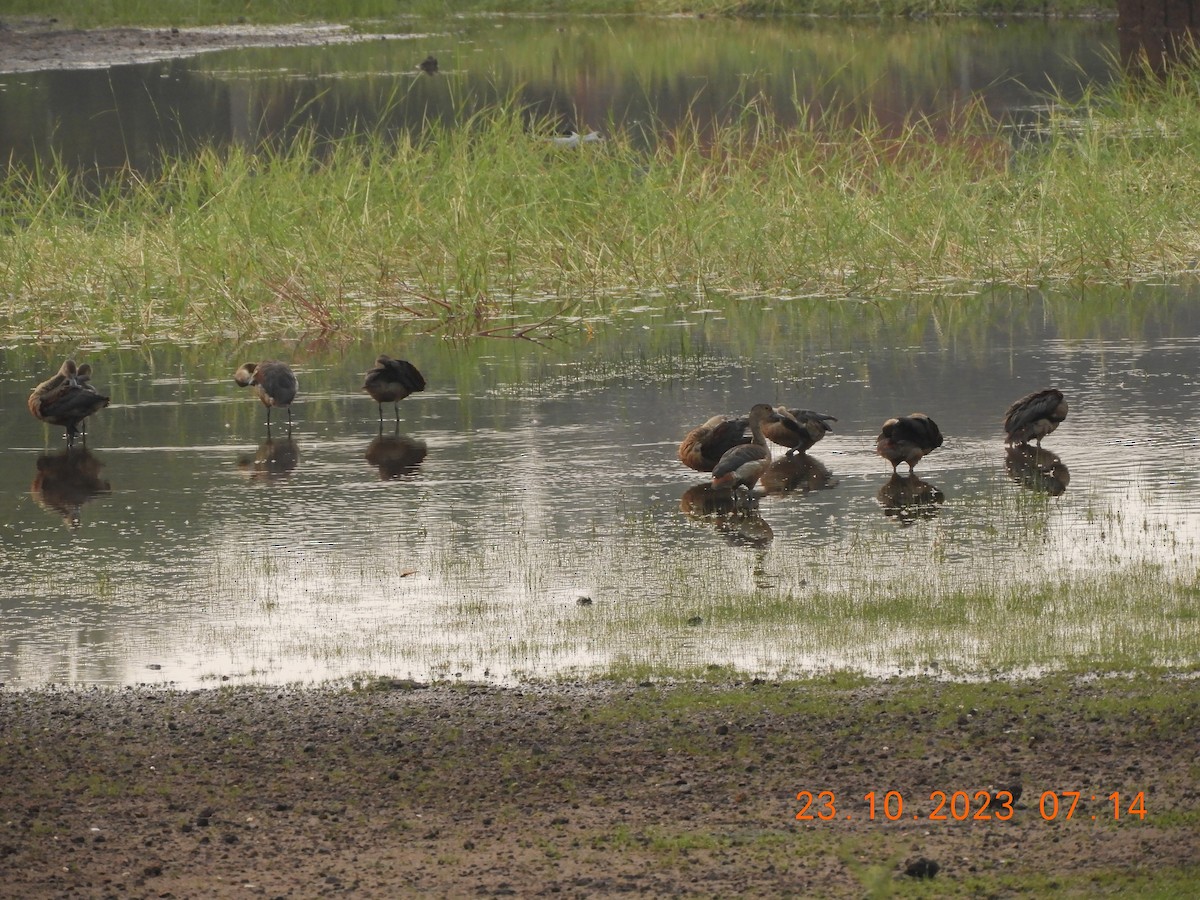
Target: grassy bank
461,227
221,12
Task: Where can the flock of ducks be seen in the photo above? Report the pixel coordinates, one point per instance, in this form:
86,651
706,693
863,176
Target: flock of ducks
737,459
735,450
68,397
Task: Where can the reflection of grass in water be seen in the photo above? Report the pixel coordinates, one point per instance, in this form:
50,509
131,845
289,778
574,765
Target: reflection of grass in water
1003,581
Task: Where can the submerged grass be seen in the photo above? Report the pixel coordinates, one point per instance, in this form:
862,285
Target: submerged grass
464,230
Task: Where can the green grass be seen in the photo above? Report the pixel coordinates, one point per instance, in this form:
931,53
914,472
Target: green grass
467,230
220,12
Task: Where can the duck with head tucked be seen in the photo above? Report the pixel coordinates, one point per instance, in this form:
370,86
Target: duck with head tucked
703,446
908,439
67,399
274,382
1034,416
390,381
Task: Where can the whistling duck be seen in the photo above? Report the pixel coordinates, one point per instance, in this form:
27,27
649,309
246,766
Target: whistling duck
63,400
742,465
390,381
275,383
797,429
907,439
705,444
1034,416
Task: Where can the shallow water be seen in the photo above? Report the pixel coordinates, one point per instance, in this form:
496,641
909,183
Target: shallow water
549,476
641,76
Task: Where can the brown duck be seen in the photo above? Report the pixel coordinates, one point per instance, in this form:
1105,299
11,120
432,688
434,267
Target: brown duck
64,400
908,439
390,381
705,444
797,429
275,383
744,464
1034,416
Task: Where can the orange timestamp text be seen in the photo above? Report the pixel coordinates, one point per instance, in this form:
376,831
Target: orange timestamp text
960,806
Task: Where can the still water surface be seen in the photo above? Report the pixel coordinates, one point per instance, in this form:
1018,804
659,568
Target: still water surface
642,76
184,548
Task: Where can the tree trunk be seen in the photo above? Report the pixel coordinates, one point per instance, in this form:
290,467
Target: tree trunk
1156,32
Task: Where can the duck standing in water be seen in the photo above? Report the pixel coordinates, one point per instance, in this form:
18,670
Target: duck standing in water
703,446
907,439
797,429
275,383
65,399
744,464
1034,416
390,381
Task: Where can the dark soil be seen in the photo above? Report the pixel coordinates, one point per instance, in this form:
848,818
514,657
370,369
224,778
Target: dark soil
593,790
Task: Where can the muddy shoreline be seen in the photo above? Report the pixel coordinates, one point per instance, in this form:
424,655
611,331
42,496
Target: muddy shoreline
29,46
589,790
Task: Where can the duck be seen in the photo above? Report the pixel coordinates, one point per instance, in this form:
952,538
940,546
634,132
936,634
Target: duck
275,383
908,439
1034,416
798,429
429,65
702,447
63,400
744,464
390,381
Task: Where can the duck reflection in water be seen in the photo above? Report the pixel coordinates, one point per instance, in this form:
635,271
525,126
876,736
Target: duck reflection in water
275,457
907,498
733,515
67,480
1037,469
396,455
795,473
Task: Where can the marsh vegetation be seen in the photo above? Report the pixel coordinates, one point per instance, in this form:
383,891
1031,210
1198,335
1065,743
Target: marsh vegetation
460,229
